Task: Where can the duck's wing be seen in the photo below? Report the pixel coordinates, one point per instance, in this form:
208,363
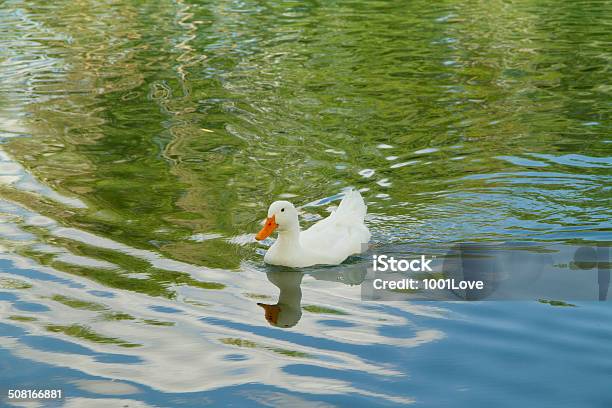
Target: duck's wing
343,232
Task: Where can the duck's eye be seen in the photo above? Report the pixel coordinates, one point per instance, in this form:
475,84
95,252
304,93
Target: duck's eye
282,210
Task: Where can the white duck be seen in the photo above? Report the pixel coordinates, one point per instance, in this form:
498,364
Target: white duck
328,242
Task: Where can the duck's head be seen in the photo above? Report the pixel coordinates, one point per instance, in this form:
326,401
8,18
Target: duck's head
282,215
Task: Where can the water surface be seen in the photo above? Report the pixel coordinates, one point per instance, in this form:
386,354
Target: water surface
142,143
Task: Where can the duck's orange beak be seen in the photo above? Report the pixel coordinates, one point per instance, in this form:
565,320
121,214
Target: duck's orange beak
268,228
272,312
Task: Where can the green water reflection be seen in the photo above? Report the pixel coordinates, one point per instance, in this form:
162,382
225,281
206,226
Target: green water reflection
177,123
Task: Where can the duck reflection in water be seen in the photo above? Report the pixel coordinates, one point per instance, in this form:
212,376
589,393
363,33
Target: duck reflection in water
287,312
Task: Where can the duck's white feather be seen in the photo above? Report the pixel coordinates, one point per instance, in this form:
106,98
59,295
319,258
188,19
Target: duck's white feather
329,241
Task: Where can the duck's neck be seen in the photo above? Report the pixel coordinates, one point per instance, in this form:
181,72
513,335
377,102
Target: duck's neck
289,239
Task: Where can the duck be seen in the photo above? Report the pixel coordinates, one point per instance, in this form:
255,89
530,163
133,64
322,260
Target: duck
328,242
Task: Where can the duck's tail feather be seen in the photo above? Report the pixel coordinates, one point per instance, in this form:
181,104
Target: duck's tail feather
352,207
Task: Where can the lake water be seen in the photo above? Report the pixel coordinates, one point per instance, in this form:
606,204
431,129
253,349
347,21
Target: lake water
141,144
